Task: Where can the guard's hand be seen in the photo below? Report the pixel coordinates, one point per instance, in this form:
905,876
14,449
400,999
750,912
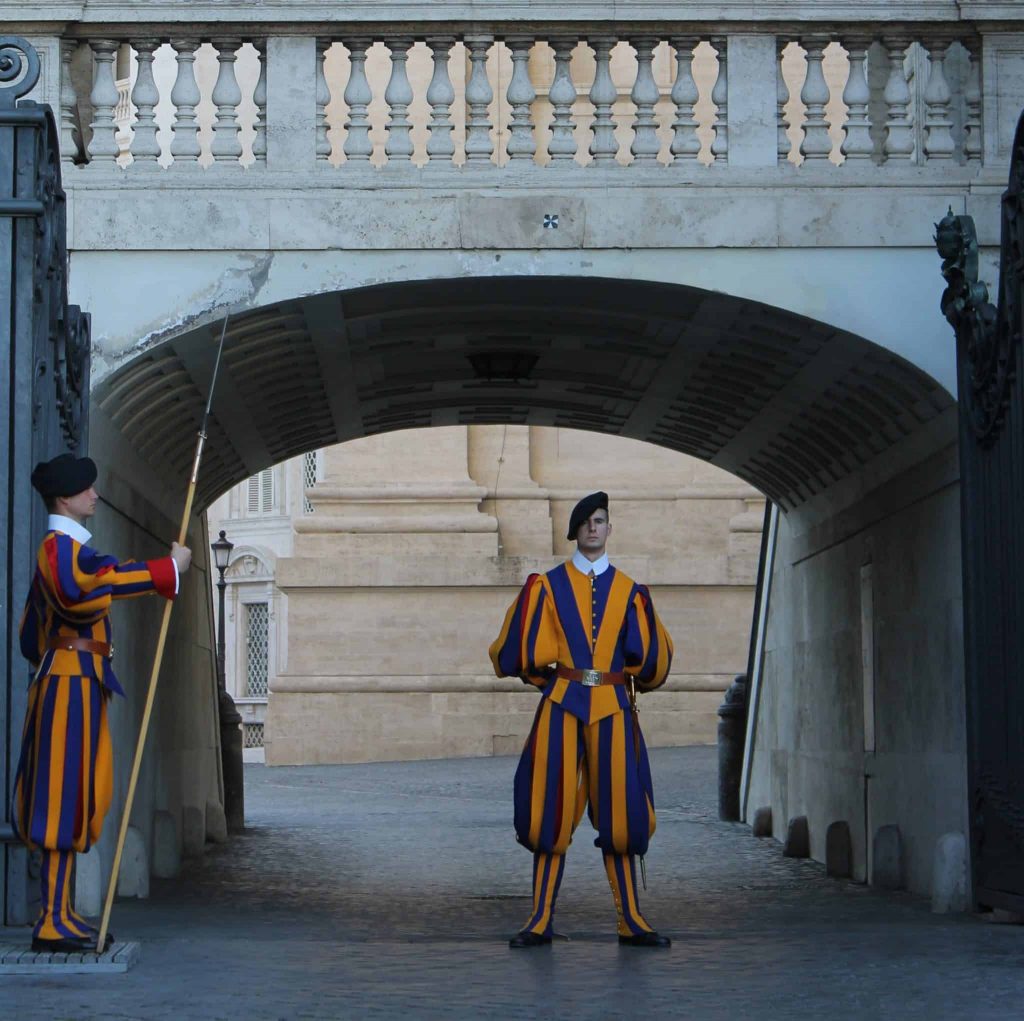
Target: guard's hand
182,557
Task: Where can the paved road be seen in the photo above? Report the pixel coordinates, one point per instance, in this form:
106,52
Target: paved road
389,890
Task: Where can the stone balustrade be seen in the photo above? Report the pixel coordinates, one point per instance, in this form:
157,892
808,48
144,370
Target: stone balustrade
654,96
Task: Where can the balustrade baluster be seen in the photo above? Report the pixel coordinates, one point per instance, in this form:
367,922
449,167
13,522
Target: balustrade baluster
685,143
323,97
814,95
520,95
899,131
68,102
478,97
398,96
259,98
440,96
646,143
185,97
857,145
226,147
562,147
358,96
781,99
720,97
145,148
938,124
604,146
972,100
103,147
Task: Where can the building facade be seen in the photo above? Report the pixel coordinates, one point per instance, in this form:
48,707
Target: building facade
367,580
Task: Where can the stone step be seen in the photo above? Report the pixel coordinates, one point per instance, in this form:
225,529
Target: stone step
17,958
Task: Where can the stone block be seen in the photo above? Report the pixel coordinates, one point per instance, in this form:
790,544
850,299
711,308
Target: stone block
949,874
798,838
762,825
839,850
133,879
89,883
166,852
193,831
887,858
216,823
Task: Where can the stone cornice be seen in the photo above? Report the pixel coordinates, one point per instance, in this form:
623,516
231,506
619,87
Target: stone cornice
306,12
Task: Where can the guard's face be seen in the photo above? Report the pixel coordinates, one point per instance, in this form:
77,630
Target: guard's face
80,506
592,535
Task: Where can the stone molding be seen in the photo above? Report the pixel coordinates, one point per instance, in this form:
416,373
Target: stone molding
329,12
250,564
440,684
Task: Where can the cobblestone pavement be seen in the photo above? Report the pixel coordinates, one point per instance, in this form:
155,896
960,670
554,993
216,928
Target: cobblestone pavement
389,890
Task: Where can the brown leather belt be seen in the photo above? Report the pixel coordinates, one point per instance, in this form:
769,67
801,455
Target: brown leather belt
591,678
71,644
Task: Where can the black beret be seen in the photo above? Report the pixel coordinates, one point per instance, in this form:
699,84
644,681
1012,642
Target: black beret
65,475
582,511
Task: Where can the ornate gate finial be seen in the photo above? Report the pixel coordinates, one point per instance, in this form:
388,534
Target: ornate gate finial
987,336
19,69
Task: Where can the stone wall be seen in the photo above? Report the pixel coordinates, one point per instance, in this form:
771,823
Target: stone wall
179,799
861,710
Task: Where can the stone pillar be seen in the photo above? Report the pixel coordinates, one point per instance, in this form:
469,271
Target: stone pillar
291,103
499,461
732,726
753,109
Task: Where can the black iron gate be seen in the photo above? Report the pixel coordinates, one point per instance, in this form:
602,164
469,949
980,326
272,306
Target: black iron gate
991,395
44,344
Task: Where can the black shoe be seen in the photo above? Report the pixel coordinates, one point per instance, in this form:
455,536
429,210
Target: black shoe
66,945
528,939
646,939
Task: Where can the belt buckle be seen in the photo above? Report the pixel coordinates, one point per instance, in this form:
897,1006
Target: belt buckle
592,678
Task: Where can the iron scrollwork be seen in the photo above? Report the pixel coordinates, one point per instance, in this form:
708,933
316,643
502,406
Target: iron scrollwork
989,337
19,69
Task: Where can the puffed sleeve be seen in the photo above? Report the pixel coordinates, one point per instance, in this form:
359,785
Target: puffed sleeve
527,645
81,584
648,645
30,631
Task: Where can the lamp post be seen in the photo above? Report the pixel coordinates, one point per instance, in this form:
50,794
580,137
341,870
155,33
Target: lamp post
230,720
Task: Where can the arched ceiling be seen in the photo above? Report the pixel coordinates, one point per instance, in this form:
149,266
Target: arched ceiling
786,403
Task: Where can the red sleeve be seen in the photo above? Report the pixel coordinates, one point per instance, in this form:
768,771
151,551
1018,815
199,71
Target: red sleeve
165,578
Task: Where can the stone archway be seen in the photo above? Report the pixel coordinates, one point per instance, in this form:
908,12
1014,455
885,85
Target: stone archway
856,445
788,404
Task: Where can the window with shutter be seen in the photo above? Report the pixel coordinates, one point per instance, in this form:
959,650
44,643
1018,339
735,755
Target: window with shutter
260,492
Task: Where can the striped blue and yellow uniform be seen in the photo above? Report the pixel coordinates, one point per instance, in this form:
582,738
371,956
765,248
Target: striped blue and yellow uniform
585,749
64,782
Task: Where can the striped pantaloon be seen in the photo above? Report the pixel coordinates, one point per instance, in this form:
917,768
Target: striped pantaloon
63,788
568,765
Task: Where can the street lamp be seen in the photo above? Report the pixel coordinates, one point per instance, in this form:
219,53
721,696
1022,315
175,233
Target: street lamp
221,557
230,720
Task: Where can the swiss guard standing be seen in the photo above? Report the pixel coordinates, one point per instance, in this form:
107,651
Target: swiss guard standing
588,637
65,778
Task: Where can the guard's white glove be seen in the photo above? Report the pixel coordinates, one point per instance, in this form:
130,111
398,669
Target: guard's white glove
182,557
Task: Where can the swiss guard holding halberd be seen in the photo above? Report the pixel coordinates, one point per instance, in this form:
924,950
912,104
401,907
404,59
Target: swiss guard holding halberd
65,773
588,637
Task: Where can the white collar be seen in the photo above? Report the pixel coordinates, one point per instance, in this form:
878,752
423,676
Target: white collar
585,566
59,523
